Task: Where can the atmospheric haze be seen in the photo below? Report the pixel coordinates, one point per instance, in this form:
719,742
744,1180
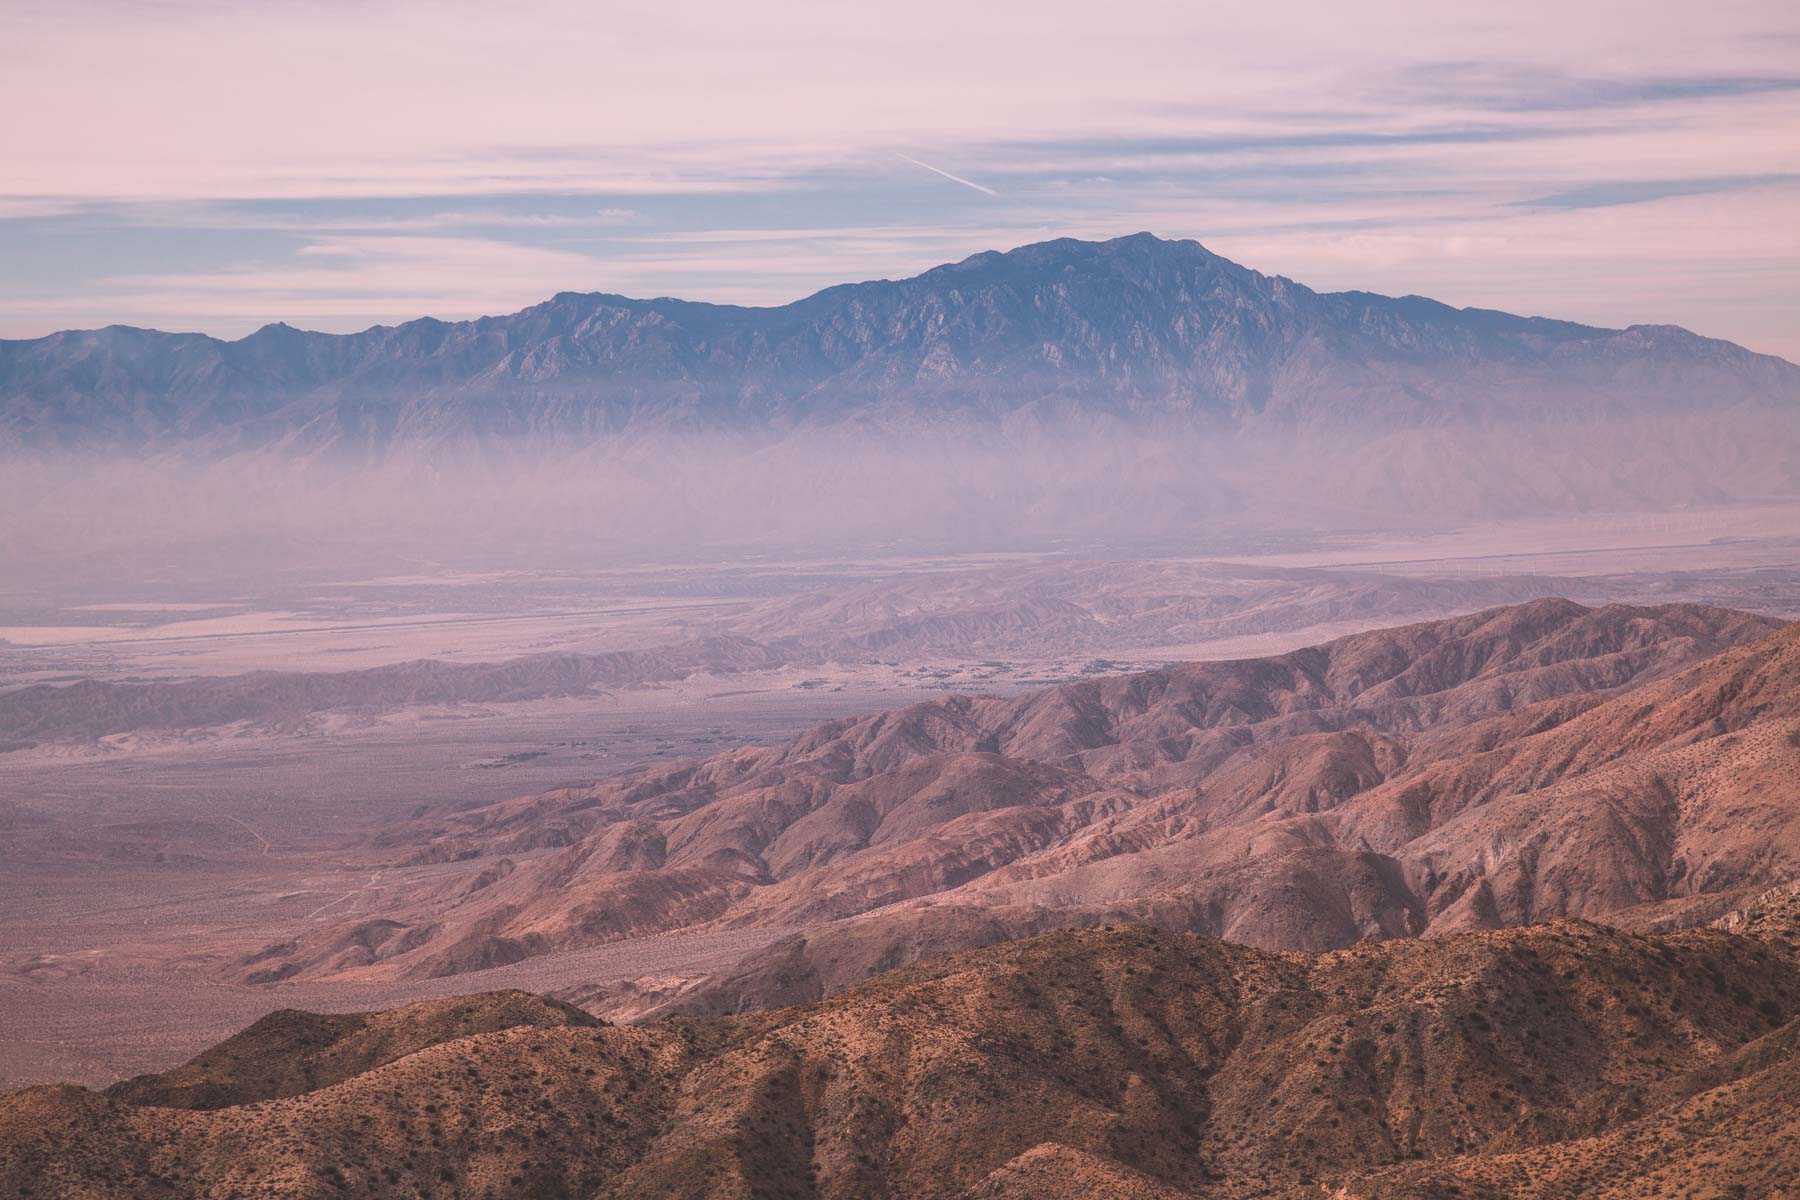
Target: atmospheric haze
1121,393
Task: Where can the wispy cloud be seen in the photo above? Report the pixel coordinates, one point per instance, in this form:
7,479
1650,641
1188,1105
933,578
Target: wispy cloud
518,213
1531,88
382,159
968,183
1642,191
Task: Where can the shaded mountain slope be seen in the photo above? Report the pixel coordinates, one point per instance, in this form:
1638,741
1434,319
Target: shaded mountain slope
289,1053
1507,767
1130,329
1119,1062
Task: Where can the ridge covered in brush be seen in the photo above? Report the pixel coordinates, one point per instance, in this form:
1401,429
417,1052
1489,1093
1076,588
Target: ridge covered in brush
1558,1062
1509,767
1134,329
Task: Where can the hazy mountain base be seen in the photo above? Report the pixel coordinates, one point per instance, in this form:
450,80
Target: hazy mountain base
666,498
942,623
1131,389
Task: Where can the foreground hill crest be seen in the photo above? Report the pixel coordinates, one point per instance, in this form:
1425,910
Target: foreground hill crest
1562,1061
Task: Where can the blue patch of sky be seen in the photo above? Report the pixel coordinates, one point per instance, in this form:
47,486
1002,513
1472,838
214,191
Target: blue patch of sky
70,250
1049,177
1526,89
1637,191
1040,183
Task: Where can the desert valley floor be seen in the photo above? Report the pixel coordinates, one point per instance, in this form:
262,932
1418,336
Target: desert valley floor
243,769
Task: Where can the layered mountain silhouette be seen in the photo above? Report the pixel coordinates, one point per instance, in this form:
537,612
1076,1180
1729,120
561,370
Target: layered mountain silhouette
1510,767
1136,329
1561,1061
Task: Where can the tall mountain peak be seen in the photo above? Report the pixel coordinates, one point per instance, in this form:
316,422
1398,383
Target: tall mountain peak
1133,331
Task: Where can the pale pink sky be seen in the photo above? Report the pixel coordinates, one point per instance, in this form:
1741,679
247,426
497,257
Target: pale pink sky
202,165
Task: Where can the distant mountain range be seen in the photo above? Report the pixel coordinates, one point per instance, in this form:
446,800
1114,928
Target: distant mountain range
1136,331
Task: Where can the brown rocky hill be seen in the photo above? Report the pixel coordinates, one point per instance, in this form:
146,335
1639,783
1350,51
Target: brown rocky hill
289,1053
1512,766
1563,1060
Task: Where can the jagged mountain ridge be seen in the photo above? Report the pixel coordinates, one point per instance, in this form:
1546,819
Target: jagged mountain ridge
1498,769
1135,329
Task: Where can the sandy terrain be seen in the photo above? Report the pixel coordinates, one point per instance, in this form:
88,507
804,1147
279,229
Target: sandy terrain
133,863
128,874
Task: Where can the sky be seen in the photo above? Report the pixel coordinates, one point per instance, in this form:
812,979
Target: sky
195,165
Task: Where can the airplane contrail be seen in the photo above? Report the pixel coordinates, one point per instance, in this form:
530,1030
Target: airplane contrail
968,183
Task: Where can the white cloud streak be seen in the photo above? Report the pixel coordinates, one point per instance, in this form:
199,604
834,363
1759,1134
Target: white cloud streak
968,183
